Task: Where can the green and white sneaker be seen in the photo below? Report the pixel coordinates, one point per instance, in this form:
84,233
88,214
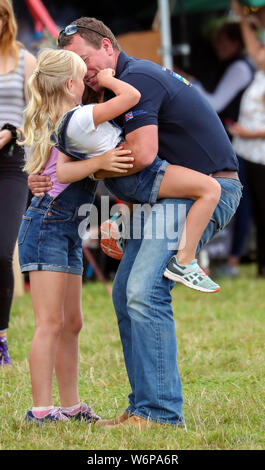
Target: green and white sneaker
190,275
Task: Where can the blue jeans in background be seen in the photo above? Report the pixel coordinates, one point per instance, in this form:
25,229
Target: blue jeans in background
142,302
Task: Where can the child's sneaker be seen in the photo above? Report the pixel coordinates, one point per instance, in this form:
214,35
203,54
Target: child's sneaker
54,415
83,413
190,275
4,356
112,242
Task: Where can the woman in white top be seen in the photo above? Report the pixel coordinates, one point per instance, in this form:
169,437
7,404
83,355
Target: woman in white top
249,143
236,74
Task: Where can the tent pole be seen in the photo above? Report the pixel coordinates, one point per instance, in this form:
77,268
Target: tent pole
165,28
184,47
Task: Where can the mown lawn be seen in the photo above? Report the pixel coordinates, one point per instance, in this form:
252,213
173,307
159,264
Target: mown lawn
221,360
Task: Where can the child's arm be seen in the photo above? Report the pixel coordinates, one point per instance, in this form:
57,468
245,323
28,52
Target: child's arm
69,171
126,97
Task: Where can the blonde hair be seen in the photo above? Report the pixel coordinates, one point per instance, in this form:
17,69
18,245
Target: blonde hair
9,45
47,88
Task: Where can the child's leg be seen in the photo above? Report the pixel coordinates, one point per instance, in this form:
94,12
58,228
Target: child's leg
180,182
47,291
112,231
66,365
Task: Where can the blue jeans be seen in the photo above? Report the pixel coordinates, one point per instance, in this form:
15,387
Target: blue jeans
142,302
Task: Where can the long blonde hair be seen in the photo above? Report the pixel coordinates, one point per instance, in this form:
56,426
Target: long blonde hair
9,45
47,88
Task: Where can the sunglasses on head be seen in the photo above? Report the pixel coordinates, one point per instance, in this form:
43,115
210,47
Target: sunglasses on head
73,29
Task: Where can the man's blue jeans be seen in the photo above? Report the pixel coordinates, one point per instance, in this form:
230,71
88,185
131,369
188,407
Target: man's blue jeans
142,302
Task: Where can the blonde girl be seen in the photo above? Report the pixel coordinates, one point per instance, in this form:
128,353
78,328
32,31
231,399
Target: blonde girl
50,248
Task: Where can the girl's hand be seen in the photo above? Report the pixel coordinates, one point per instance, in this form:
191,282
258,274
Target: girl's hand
116,160
5,137
104,75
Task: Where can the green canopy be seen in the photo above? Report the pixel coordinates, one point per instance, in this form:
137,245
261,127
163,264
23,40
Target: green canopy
207,5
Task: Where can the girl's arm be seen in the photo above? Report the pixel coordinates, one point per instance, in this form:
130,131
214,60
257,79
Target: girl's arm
126,97
69,171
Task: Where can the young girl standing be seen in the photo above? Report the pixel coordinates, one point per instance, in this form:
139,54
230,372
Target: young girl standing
49,245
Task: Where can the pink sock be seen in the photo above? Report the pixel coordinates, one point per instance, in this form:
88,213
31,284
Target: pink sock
72,410
41,411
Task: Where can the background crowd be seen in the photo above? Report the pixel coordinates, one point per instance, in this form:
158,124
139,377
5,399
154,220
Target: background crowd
227,65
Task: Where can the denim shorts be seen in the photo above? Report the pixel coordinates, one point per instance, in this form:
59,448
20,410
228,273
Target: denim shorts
48,238
143,187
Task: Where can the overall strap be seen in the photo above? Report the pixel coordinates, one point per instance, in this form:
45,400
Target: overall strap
60,139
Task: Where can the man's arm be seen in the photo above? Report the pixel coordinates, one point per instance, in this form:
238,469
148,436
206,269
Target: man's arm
144,145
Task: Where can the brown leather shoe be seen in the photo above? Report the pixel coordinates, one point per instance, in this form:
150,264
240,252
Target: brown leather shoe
136,422
112,422
141,423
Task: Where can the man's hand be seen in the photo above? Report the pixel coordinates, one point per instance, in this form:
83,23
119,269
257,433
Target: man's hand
39,185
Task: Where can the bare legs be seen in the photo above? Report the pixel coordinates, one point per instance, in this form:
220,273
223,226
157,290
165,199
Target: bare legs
56,299
66,364
180,182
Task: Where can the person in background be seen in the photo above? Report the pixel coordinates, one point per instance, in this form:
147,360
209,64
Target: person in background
16,65
249,134
254,48
236,72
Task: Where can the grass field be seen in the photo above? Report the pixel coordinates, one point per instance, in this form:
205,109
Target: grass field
221,361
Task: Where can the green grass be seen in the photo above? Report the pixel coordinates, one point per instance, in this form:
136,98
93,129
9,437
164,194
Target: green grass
221,361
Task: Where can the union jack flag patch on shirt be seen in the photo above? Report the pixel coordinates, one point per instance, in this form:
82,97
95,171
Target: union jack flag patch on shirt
128,116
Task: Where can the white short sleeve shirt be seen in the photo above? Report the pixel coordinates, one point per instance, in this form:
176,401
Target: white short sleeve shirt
252,116
83,136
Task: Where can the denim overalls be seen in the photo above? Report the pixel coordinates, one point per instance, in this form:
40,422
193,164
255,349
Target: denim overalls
49,237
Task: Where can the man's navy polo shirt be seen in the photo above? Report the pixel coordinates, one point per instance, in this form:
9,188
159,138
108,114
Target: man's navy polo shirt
189,130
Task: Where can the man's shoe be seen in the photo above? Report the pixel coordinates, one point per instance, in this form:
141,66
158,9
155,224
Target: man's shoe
112,242
141,423
190,275
114,421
